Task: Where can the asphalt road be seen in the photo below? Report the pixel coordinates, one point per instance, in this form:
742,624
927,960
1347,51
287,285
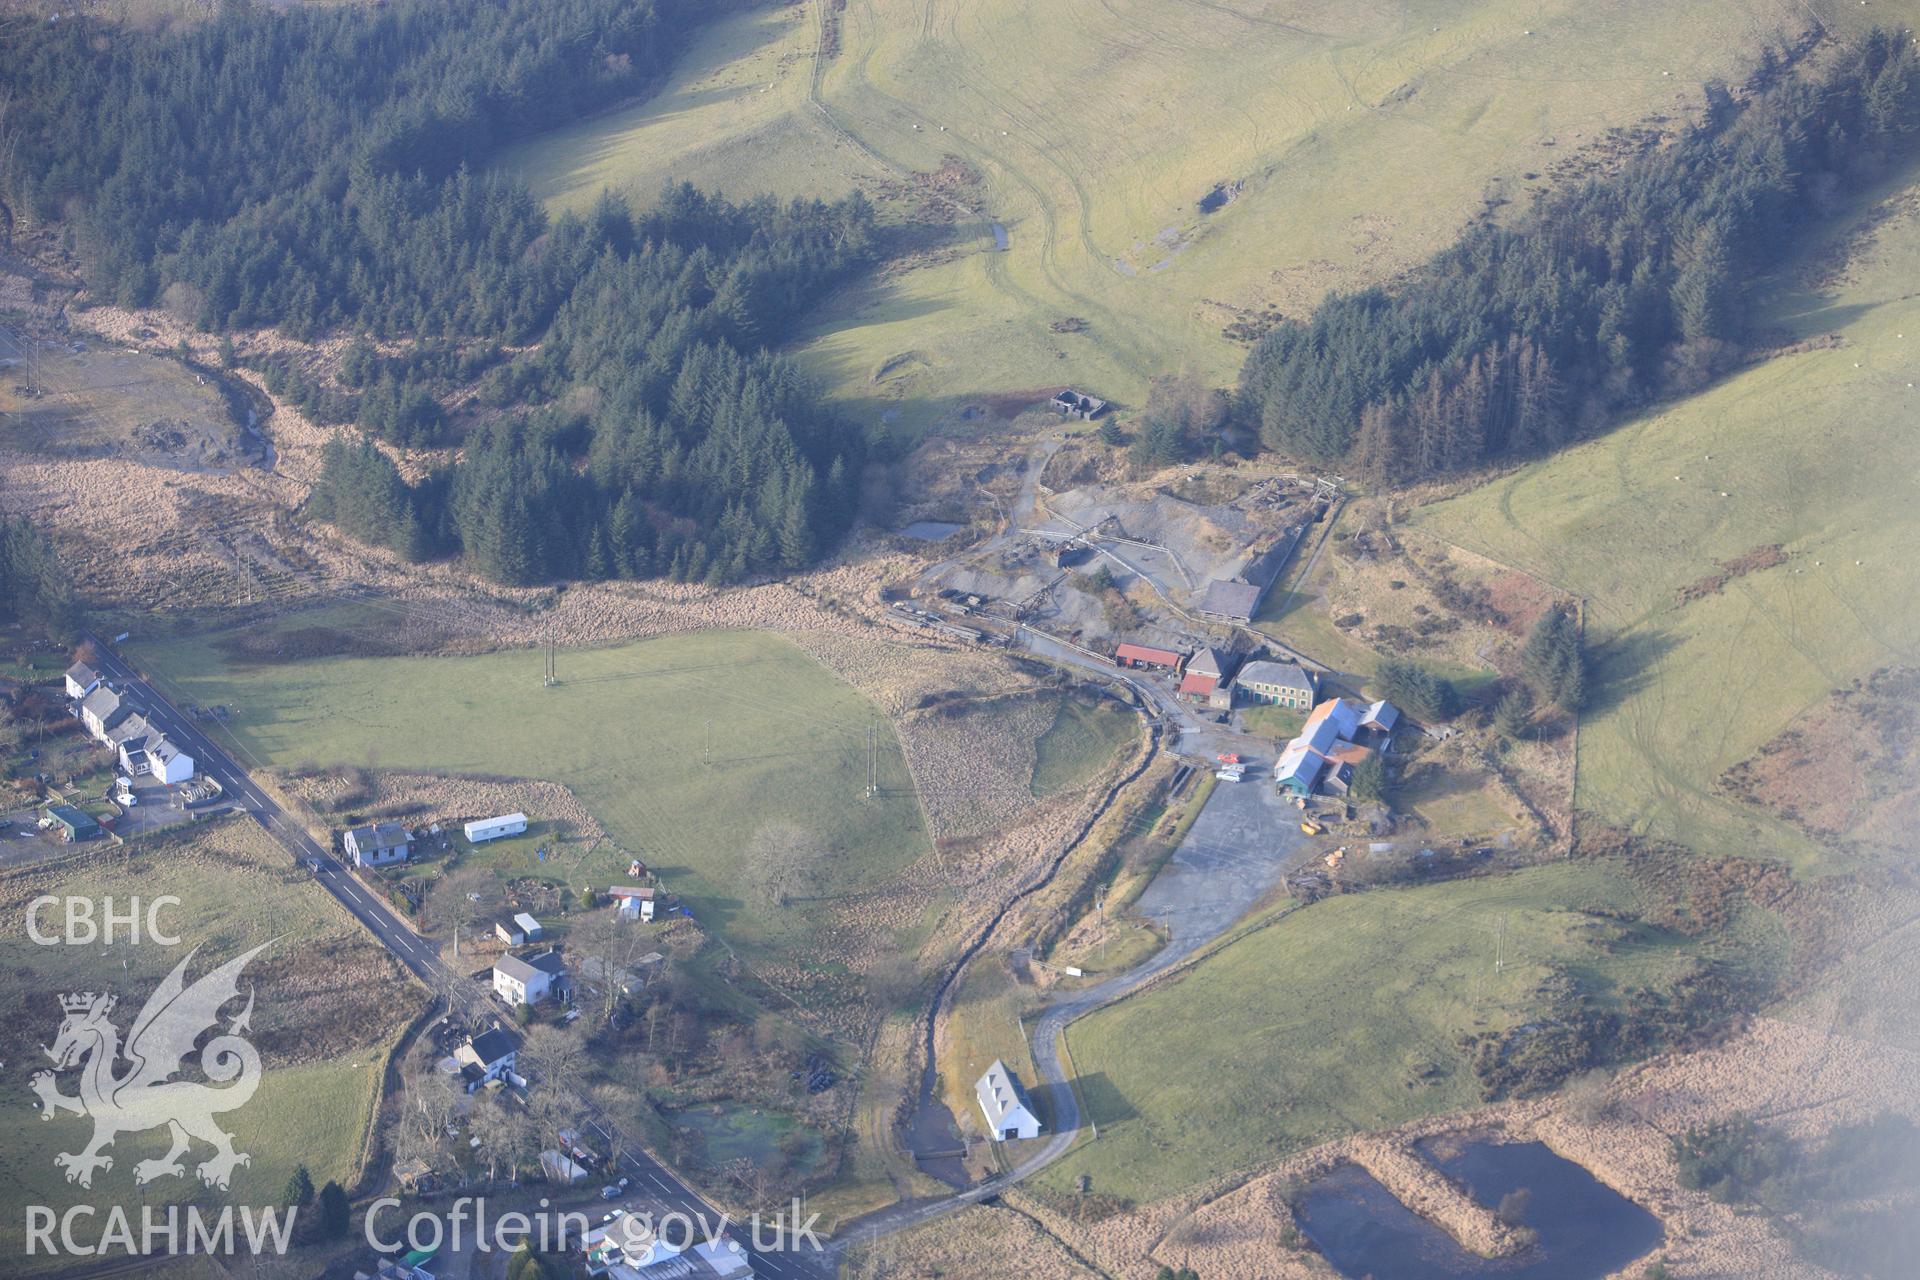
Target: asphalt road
1213,879
649,1177
1242,846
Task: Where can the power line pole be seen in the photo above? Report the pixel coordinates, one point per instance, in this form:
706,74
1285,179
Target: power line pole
873,763
706,753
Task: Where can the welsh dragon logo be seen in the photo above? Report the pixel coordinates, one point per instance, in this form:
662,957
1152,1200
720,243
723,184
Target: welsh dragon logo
144,1094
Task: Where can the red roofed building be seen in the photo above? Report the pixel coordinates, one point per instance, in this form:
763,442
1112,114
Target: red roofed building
1139,655
1196,686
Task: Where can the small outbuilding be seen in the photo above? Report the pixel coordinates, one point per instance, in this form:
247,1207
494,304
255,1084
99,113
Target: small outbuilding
414,1175
1378,722
562,1169
632,902
1005,1105
74,824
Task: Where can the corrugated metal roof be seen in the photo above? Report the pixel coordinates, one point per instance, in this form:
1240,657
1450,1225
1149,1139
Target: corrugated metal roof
1343,715
1145,653
1300,762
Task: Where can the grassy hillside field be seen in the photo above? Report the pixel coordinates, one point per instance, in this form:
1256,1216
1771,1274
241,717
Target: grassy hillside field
1083,737
1346,1016
1814,452
626,729
1352,139
328,1006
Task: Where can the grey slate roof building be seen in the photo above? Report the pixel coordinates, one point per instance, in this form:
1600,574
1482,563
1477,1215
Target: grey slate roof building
1209,662
529,980
81,679
494,1046
1005,1105
131,732
1231,599
1287,683
516,968
104,708
378,844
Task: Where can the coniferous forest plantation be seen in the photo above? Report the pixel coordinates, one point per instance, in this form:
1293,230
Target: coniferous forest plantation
1178,639
315,169
1520,338
319,170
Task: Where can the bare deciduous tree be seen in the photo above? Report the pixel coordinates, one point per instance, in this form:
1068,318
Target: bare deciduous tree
504,1131
611,944
463,898
783,863
426,1109
557,1059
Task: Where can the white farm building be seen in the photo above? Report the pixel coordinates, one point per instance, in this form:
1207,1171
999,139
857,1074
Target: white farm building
1004,1103
481,829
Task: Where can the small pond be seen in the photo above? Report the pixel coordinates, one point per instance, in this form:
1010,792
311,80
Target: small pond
1586,1229
931,530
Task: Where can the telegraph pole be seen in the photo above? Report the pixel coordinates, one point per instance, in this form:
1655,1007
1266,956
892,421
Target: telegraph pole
706,753
873,763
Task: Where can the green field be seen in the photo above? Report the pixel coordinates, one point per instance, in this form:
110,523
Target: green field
626,729
1273,721
237,889
1084,736
1361,136
1346,1016
1816,452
